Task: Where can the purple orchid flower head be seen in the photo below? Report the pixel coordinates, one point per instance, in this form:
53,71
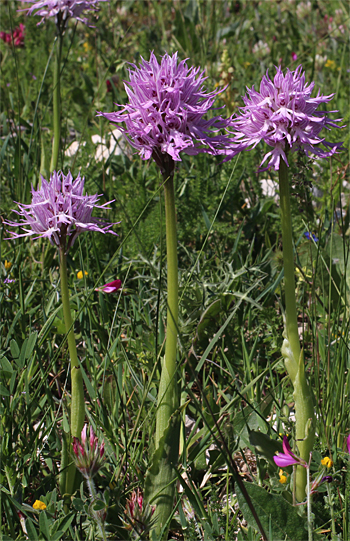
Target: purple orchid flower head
61,9
348,443
284,115
288,458
60,212
166,109
111,287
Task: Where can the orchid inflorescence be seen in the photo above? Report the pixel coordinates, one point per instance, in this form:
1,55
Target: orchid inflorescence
60,212
284,115
66,9
165,113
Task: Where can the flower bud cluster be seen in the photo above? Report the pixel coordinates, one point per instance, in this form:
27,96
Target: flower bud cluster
89,455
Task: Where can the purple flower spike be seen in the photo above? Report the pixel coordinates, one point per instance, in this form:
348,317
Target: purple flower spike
284,115
348,443
288,458
165,113
60,212
66,9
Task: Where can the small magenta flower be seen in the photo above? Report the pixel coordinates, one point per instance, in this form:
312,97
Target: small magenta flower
288,458
60,212
165,113
66,9
17,36
88,453
111,287
284,115
348,443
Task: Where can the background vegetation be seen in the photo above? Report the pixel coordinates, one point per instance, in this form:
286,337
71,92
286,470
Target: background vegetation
230,273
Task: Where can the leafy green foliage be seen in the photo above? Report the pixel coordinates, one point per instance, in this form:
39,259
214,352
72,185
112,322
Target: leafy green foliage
234,388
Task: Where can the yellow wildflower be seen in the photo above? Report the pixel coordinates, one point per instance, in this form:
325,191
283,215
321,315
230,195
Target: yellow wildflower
80,274
8,264
246,64
326,461
87,46
330,64
283,477
39,505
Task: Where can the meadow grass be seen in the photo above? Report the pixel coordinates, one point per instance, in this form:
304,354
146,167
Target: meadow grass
236,398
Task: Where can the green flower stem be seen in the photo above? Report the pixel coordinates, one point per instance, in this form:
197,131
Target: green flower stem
77,414
167,402
167,430
309,519
289,280
57,102
293,356
97,516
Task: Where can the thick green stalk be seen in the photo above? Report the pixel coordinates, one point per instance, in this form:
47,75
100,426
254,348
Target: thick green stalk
167,427
167,402
77,413
289,280
293,356
57,103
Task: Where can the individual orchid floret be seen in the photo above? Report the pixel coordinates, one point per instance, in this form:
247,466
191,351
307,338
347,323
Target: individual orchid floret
111,287
89,455
288,458
284,115
60,212
166,109
62,9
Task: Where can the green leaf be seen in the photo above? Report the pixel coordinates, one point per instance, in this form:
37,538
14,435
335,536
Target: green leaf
4,391
14,349
274,512
44,525
98,505
31,530
30,344
6,365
